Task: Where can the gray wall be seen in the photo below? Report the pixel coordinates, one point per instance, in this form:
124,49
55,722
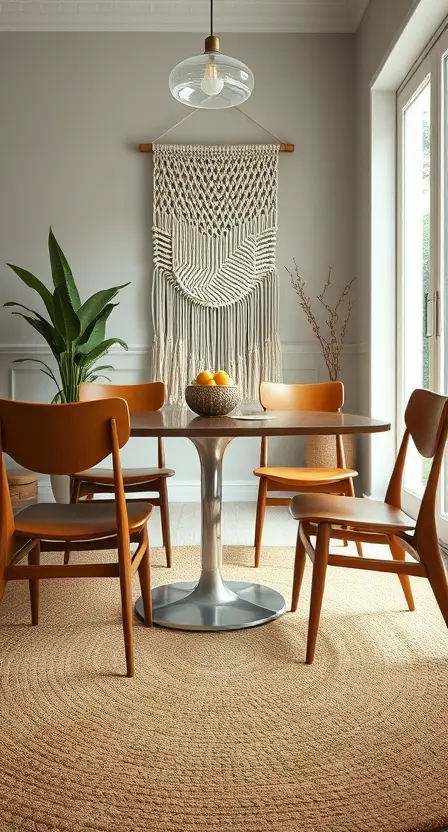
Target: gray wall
376,35
73,108
380,27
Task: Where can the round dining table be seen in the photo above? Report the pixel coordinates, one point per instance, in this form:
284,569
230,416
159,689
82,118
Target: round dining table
212,603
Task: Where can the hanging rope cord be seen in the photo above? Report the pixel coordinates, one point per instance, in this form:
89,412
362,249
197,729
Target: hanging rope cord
193,112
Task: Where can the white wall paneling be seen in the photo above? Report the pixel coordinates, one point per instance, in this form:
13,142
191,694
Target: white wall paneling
302,362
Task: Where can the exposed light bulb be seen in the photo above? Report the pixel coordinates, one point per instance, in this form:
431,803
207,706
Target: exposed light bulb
211,83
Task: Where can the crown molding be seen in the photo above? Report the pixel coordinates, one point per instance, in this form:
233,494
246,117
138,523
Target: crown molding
180,15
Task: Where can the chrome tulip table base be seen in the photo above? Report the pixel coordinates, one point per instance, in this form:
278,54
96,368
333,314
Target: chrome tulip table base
212,603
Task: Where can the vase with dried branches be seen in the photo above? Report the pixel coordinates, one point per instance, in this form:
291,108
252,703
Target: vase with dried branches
331,335
336,321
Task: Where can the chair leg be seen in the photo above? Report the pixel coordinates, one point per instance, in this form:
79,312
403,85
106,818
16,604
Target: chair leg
398,553
126,609
259,521
317,587
144,575
165,518
351,493
34,560
299,569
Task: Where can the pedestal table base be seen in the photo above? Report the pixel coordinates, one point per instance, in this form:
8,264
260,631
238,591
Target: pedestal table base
183,606
211,603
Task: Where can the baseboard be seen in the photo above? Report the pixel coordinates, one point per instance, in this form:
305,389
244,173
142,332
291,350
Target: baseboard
188,491
233,491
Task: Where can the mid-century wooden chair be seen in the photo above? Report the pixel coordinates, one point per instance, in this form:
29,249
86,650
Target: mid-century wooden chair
426,421
58,439
140,398
327,397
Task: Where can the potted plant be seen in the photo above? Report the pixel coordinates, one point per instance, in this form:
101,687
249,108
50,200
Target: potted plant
320,450
74,331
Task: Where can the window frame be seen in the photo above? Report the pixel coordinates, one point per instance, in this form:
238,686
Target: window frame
430,67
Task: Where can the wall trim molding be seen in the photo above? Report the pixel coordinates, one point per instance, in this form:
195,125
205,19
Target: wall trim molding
185,491
288,348
41,349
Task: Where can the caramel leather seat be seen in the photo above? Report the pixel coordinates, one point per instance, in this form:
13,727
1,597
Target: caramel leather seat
151,481
131,476
78,522
327,397
305,476
350,511
58,439
320,515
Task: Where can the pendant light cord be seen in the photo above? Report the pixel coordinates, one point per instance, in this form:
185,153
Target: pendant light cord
211,18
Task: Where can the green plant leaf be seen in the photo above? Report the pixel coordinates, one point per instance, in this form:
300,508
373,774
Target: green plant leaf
27,309
50,335
34,283
61,271
94,378
102,367
92,307
46,371
66,320
95,332
101,350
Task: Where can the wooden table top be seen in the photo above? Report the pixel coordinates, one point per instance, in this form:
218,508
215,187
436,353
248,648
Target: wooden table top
175,421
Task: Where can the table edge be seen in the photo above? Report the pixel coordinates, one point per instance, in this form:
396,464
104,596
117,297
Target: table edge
260,430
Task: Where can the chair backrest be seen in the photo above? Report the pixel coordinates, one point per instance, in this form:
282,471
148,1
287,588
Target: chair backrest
57,439
327,396
140,397
61,438
426,422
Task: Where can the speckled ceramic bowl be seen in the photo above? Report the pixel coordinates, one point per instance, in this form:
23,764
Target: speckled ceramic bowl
213,401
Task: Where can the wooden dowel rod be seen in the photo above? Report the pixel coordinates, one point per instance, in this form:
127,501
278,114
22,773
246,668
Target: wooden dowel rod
283,148
399,567
76,570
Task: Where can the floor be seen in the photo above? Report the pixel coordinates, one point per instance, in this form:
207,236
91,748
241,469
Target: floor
238,524
238,530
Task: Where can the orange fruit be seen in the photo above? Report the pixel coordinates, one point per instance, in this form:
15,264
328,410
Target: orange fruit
211,383
222,378
204,378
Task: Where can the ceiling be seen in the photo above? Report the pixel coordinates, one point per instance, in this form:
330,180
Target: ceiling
181,15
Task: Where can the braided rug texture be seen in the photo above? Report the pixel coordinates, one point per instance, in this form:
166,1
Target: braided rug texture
225,732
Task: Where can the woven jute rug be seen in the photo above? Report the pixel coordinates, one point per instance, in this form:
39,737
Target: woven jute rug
226,731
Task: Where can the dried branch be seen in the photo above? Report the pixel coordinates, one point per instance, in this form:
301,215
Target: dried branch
332,345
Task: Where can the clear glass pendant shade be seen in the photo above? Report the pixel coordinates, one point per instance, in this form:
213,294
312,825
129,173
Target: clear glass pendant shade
212,81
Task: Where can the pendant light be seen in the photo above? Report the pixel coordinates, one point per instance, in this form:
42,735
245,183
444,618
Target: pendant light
212,80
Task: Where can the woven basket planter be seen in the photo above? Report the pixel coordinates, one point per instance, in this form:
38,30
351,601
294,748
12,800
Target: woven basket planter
22,487
320,451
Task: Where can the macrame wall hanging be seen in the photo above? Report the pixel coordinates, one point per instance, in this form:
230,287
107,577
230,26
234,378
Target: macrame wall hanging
215,298
215,284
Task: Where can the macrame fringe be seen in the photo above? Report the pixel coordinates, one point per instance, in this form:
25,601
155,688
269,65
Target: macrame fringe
242,341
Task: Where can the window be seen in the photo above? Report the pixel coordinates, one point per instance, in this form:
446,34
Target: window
422,296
